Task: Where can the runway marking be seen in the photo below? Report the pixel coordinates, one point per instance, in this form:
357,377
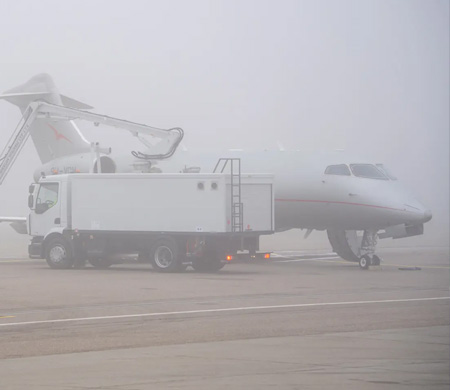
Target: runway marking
230,309
7,316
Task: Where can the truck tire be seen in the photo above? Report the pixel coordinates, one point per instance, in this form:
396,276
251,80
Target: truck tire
58,254
164,256
100,262
210,262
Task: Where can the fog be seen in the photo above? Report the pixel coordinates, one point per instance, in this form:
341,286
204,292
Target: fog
369,77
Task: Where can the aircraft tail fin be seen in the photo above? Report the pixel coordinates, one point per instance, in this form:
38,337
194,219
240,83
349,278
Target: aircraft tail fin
52,138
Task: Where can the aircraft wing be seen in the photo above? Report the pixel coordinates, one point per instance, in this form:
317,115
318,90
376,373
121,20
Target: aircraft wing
13,219
19,224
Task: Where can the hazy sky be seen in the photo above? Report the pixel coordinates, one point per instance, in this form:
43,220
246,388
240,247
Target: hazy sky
364,76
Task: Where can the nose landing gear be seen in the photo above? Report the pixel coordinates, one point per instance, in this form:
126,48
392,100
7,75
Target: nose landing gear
356,246
368,245
364,262
367,260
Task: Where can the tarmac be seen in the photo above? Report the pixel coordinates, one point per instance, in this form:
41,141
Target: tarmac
300,320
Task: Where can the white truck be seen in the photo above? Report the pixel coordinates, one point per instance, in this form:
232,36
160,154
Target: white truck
169,220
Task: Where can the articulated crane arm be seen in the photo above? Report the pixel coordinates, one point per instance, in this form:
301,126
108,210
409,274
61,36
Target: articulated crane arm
40,109
16,142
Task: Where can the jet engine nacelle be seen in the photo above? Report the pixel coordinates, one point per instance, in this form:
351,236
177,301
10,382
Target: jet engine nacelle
78,163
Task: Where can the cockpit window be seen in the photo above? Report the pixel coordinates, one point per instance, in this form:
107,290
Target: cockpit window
386,171
368,171
340,169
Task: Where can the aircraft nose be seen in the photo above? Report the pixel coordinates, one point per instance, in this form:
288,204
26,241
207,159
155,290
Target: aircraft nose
427,215
418,213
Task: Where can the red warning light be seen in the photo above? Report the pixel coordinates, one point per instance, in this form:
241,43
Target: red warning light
229,258
267,255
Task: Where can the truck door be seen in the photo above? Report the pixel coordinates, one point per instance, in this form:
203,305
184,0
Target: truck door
47,211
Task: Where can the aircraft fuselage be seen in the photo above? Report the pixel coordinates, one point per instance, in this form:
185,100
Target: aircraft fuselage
306,197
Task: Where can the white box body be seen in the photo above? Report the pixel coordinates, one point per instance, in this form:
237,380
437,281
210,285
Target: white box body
177,203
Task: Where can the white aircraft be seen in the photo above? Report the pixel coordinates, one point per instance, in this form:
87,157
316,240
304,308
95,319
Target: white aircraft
355,201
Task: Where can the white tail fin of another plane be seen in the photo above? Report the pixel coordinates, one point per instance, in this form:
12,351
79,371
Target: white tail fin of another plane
52,138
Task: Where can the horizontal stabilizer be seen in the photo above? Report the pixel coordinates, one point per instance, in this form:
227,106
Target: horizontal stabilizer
72,103
25,98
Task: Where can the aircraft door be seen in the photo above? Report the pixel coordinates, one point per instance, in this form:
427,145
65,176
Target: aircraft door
47,211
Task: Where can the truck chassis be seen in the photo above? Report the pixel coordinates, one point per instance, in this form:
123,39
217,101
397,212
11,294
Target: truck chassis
166,252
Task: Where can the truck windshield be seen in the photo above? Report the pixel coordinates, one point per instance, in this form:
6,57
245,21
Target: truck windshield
48,195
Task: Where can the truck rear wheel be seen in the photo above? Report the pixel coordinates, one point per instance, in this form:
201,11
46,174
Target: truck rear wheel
164,256
59,254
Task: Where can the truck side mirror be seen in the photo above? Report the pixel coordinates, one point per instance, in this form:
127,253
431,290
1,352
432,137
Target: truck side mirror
31,189
30,201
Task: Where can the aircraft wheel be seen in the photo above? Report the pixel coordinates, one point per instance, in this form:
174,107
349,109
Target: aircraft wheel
100,262
364,262
59,254
375,260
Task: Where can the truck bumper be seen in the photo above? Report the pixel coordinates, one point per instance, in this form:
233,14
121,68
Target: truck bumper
35,250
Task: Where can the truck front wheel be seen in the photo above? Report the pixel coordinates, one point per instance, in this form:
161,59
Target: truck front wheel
164,256
59,254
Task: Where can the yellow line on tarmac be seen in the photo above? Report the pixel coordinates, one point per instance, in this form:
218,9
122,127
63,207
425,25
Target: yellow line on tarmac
7,316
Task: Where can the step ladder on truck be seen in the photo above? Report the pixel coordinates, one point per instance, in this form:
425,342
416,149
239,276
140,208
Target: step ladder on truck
249,245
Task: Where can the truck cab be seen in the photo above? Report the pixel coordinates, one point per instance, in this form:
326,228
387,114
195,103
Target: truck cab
47,206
